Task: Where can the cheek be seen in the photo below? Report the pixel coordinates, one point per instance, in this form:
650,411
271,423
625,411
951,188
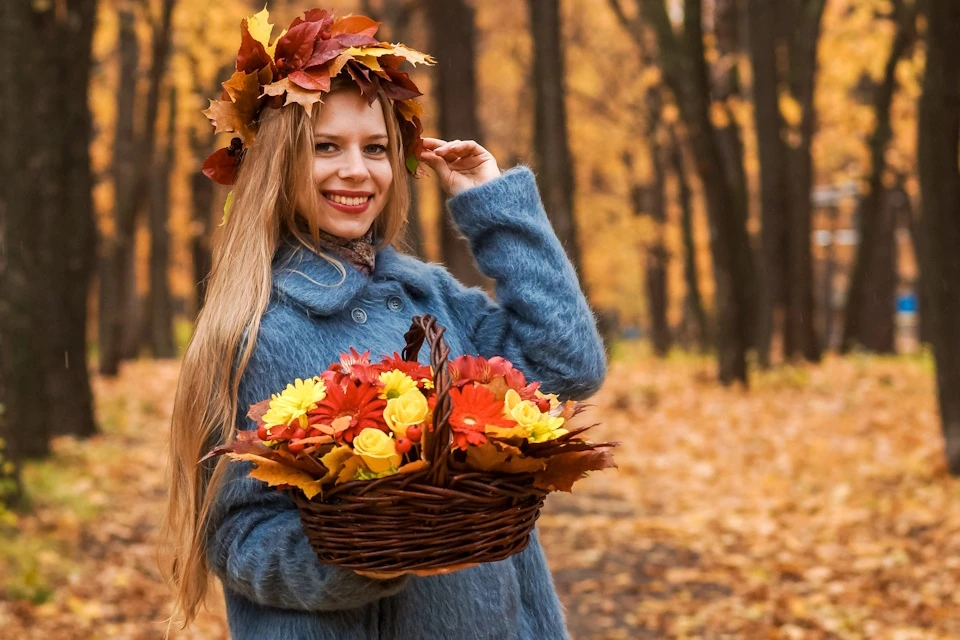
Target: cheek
383,174
322,169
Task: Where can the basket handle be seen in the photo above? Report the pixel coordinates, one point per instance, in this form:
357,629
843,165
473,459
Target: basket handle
436,444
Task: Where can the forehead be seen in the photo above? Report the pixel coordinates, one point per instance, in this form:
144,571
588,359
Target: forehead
347,114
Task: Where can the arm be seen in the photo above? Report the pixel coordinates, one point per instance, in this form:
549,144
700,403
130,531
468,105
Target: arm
256,544
542,614
541,321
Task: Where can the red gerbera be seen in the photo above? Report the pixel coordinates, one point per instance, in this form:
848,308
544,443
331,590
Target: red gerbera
359,402
473,409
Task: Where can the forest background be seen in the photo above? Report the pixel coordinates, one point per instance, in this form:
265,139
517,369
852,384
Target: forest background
762,200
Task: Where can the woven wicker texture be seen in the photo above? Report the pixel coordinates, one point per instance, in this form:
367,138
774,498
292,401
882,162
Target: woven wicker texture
431,519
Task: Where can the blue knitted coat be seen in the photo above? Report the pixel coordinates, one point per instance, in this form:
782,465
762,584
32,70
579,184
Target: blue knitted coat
275,588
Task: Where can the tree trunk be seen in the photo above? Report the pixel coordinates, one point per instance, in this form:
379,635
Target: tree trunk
74,230
938,152
771,155
46,205
117,256
880,300
800,336
685,71
159,315
453,36
875,220
203,193
657,257
552,149
17,375
695,319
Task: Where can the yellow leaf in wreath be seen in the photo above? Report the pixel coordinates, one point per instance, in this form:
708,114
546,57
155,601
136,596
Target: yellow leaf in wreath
304,97
275,473
413,56
259,27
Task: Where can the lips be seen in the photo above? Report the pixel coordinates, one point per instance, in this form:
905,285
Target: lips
349,201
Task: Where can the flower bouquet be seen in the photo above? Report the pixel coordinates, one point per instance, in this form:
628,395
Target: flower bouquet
400,467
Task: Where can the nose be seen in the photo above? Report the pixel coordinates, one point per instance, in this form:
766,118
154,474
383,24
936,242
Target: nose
354,167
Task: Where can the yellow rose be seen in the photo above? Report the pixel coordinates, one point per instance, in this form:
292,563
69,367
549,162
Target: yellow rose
378,450
531,422
405,411
524,412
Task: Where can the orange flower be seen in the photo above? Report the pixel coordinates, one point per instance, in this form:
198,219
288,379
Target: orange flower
359,402
473,409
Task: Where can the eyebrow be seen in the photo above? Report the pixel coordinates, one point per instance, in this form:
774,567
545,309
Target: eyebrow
333,136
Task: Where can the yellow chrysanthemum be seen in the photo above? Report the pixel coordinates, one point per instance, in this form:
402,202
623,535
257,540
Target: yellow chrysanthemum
395,384
427,383
294,402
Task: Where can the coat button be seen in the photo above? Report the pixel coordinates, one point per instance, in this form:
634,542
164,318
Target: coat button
359,315
395,303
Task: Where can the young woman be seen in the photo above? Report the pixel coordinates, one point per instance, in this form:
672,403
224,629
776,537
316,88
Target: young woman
306,268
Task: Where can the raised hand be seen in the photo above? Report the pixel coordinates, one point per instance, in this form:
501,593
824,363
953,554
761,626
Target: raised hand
460,164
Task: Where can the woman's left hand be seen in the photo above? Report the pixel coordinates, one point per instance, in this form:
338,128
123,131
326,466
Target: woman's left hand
460,164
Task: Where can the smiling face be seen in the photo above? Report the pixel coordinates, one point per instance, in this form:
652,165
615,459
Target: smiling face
351,164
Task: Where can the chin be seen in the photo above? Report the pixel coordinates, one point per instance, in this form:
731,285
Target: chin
349,229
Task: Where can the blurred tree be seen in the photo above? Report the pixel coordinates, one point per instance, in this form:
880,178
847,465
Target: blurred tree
202,192
550,139
159,313
123,328
869,316
683,61
771,151
453,43
938,153
46,204
695,325
783,53
116,271
800,20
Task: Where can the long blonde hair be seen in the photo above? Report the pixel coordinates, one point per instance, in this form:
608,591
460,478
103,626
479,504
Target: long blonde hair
274,172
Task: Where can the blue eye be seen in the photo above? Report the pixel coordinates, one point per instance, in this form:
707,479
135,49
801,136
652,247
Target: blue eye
319,146
379,148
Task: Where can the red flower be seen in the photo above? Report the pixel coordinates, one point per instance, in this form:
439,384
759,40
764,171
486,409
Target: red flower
413,369
347,360
473,409
477,369
359,402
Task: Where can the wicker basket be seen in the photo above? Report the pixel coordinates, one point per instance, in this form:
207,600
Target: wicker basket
431,521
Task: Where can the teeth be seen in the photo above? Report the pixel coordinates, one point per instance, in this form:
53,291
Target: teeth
353,202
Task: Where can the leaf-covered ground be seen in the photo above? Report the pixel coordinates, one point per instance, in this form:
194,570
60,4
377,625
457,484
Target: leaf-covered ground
815,505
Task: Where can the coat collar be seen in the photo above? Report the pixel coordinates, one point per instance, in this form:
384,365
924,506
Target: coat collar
311,281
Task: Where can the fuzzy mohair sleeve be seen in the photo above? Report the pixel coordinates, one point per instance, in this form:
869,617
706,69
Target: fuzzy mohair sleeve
256,544
541,321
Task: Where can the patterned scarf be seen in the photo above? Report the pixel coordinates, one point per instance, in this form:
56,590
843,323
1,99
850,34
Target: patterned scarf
360,252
